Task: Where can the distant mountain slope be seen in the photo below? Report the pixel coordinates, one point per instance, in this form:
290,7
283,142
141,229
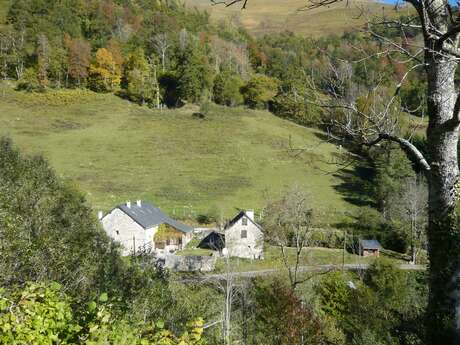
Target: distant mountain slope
117,151
265,16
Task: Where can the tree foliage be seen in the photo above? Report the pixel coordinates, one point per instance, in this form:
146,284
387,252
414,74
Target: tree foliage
227,89
47,230
194,74
259,91
104,73
42,314
385,307
282,318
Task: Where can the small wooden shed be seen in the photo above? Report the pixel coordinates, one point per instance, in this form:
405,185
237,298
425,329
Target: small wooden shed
369,248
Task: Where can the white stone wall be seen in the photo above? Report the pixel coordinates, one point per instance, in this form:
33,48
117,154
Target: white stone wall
126,231
190,263
248,248
186,238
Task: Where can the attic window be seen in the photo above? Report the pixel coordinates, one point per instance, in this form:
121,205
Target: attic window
244,234
244,221
118,232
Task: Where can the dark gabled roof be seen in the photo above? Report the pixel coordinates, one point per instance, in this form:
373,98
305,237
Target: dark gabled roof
215,240
148,216
237,217
370,244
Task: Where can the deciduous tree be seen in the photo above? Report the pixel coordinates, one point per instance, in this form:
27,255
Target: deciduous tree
79,58
43,59
105,75
259,91
288,225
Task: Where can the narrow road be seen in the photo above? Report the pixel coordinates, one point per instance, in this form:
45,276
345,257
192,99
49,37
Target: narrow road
316,268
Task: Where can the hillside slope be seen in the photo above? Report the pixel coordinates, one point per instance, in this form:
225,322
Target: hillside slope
116,151
265,16
4,7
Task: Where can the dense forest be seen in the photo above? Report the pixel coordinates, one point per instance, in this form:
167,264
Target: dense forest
161,54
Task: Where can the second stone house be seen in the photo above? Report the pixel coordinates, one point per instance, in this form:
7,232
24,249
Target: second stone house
242,237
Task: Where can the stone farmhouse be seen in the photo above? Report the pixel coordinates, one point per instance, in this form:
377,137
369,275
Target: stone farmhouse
242,237
141,225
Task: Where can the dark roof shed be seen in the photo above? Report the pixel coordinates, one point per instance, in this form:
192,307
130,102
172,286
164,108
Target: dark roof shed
370,244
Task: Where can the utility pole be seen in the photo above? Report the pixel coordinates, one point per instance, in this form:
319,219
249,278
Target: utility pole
302,340
344,249
245,319
134,245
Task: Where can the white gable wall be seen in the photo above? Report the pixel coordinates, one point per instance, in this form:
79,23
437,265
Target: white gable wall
250,247
123,229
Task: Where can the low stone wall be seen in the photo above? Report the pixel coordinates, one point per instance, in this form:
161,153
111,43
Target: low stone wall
190,263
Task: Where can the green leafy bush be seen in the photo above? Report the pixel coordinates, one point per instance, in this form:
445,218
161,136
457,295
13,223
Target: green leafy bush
293,101
259,91
334,294
41,314
29,81
227,89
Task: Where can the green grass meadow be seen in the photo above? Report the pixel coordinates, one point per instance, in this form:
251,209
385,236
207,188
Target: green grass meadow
116,151
311,256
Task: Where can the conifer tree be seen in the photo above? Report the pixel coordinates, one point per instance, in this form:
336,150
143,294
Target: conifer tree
194,73
227,87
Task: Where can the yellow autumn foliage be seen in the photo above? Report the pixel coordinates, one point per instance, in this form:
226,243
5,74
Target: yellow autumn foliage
105,75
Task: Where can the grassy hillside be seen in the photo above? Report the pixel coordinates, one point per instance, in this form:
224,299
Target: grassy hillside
4,7
265,16
117,151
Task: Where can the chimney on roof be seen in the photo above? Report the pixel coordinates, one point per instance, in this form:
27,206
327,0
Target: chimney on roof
139,203
100,215
128,204
250,214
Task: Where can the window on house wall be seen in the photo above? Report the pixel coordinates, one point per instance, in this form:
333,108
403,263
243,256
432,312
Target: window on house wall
244,221
244,234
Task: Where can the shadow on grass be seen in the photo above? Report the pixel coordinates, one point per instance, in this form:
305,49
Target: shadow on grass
355,185
355,178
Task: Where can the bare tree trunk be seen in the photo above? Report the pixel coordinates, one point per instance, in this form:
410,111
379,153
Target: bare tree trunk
443,234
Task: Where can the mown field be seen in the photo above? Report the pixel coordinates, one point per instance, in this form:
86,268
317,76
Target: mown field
265,16
117,151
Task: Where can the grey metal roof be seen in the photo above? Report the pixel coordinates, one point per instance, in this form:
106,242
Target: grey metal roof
370,244
148,215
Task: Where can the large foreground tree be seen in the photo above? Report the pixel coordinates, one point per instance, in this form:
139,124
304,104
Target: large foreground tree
47,230
439,54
